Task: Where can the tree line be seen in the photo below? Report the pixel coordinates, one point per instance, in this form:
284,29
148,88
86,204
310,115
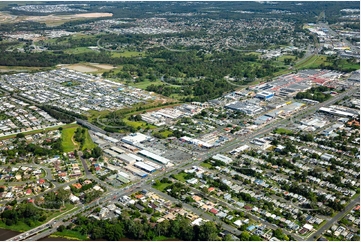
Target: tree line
141,229
24,212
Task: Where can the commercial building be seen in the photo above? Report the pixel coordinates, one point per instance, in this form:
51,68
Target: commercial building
287,110
150,155
337,112
117,150
136,171
262,119
264,144
156,166
135,139
264,95
123,174
137,158
122,179
247,108
145,167
239,149
355,77
126,158
110,152
222,158
196,142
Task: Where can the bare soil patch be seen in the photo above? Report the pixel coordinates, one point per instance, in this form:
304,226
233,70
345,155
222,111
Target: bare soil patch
81,68
102,66
93,15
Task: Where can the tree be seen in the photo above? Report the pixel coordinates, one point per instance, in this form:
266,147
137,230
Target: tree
356,238
208,231
228,237
244,236
280,235
163,228
20,135
115,232
61,228
255,238
97,152
97,233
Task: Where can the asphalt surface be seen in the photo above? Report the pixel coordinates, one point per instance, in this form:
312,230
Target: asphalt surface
86,169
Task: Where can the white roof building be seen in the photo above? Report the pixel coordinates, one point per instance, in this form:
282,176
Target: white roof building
74,199
222,158
135,139
238,223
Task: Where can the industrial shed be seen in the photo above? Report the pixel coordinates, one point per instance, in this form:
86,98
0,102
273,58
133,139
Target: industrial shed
136,171
117,150
154,157
145,167
137,158
126,158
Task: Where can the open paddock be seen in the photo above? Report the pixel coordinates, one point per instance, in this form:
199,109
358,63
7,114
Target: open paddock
102,66
81,68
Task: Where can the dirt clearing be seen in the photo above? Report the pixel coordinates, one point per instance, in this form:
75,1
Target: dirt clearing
102,66
81,68
60,19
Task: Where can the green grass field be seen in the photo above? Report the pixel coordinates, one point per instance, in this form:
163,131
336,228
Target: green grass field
281,58
65,210
161,186
39,131
70,235
166,133
67,143
134,124
78,50
180,176
19,227
4,69
93,114
67,135
128,54
88,144
206,165
283,131
143,85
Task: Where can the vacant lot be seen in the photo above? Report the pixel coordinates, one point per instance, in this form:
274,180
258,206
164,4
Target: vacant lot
102,66
161,186
67,137
50,20
82,68
53,20
128,54
88,143
7,18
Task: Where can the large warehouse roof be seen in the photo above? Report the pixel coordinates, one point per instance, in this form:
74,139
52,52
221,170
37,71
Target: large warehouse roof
144,166
126,158
154,156
116,149
337,112
135,138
